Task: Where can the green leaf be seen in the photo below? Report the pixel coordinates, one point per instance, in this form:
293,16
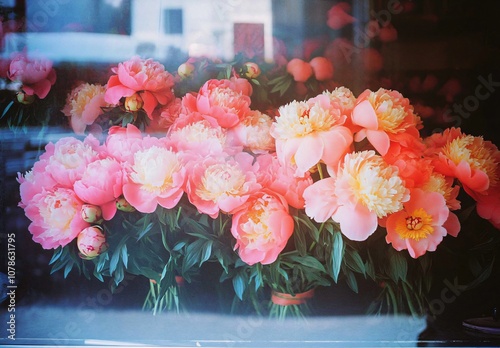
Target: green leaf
337,254
351,281
355,262
7,109
398,267
144,231
197,253
308,261
119,274
179,246
57,254
239,285
300,242
68,268
206,252
408,296
124,255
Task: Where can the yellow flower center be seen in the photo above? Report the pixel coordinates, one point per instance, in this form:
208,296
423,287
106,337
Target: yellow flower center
298,119
474,151
83,98
391,116
437,183
255,227
221,180
415,226
374,183
154,169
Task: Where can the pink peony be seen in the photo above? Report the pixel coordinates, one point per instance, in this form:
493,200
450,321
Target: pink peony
83,106
68,158
262,227
282,180
221,183
55,216
201,138
122,143
365,188
420,226
101,184
36,75
146,77
309,132
164,117
34,181
253,132
156,177
221,102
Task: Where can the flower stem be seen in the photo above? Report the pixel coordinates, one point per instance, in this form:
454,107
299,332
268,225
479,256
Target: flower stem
320,170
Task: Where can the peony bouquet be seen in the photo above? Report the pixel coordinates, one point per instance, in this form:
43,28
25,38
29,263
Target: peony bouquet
217,163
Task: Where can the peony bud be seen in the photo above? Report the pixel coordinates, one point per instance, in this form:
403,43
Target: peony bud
24,98
251,70
133,103
123,205
300,70
91,214
185,70
91,242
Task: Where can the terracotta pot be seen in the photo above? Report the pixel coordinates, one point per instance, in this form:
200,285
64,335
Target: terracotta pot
283,299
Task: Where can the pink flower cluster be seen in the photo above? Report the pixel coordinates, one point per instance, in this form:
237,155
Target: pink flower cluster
35,75
218,153
371,166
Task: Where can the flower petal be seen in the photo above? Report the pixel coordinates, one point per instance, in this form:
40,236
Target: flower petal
356,222
364,115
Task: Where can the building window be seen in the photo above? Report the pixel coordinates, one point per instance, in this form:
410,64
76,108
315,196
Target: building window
173,21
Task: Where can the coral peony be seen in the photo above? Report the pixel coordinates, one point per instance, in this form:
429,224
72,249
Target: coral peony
36,75
253,132
262,227
83,106
221,102
221,183
309,132
164,117
384,116
55,216
281,179
365,188
420,226
146,77
472,160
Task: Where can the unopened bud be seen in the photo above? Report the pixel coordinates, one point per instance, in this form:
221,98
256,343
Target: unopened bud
133,103
24,98
251,70
91,213
123,205
91,242
185,70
